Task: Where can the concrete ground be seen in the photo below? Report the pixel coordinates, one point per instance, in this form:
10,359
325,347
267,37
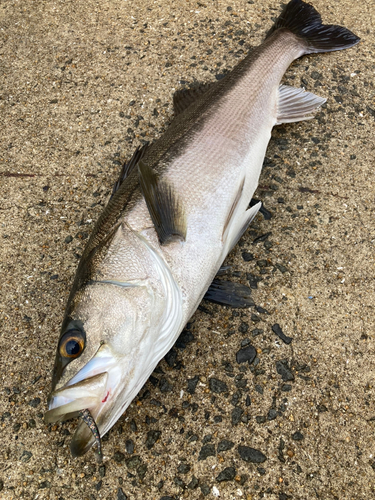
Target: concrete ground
82,83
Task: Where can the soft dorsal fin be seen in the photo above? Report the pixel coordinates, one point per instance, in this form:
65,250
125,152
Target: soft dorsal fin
128,166
163,205
183,98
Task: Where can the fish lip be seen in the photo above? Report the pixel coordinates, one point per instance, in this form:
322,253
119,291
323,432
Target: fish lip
66,402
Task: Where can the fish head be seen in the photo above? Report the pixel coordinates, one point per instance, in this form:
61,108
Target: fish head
103,353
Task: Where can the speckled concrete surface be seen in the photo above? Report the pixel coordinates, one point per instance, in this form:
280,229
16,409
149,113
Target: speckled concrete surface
82,84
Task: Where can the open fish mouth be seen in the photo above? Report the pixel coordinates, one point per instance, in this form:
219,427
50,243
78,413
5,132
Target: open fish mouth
83,399
88,395
67,402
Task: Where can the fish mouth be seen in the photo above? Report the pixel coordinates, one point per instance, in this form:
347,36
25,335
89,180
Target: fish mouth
67,402
93,389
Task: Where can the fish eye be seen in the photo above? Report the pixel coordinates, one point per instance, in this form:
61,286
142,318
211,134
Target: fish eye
72,344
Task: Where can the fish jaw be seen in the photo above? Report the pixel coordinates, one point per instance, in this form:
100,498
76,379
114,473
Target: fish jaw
95,387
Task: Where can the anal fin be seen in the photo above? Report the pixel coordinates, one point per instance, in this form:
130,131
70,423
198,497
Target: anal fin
295,104
163,205
228,293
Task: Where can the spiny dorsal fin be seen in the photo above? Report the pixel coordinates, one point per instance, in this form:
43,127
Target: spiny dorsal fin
184,97
163,205
128,166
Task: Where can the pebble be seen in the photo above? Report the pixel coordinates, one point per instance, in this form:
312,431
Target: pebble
152,437
133,462
298,436
165,386
246,354
171,357
262,238
224,445
286,388
253,280
243,328
228,474
247,256
217,385
141,471
183,468
208,450
185,338
205,489
26,455
277,329
259,389
121,495
281,268
260,419
251,455
283,369
118,457
192,384
44,484
129,446
272,414
236,415
34,402
193,483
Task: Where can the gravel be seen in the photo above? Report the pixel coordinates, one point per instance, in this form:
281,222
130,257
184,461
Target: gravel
251,455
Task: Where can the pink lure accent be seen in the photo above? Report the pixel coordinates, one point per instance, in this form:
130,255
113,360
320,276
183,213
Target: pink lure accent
106,397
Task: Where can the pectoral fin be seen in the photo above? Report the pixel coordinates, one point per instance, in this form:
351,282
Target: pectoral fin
163,205
295,104
229,294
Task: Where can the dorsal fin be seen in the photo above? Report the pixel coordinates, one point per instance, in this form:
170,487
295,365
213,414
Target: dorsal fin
163,205
183,98
128,166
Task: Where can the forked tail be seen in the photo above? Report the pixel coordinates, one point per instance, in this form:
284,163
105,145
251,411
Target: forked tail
305,22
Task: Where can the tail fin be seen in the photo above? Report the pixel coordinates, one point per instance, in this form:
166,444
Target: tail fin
304,21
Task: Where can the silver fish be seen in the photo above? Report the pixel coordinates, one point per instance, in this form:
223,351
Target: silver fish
179,207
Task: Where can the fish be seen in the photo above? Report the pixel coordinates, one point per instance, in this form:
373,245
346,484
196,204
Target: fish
178,208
